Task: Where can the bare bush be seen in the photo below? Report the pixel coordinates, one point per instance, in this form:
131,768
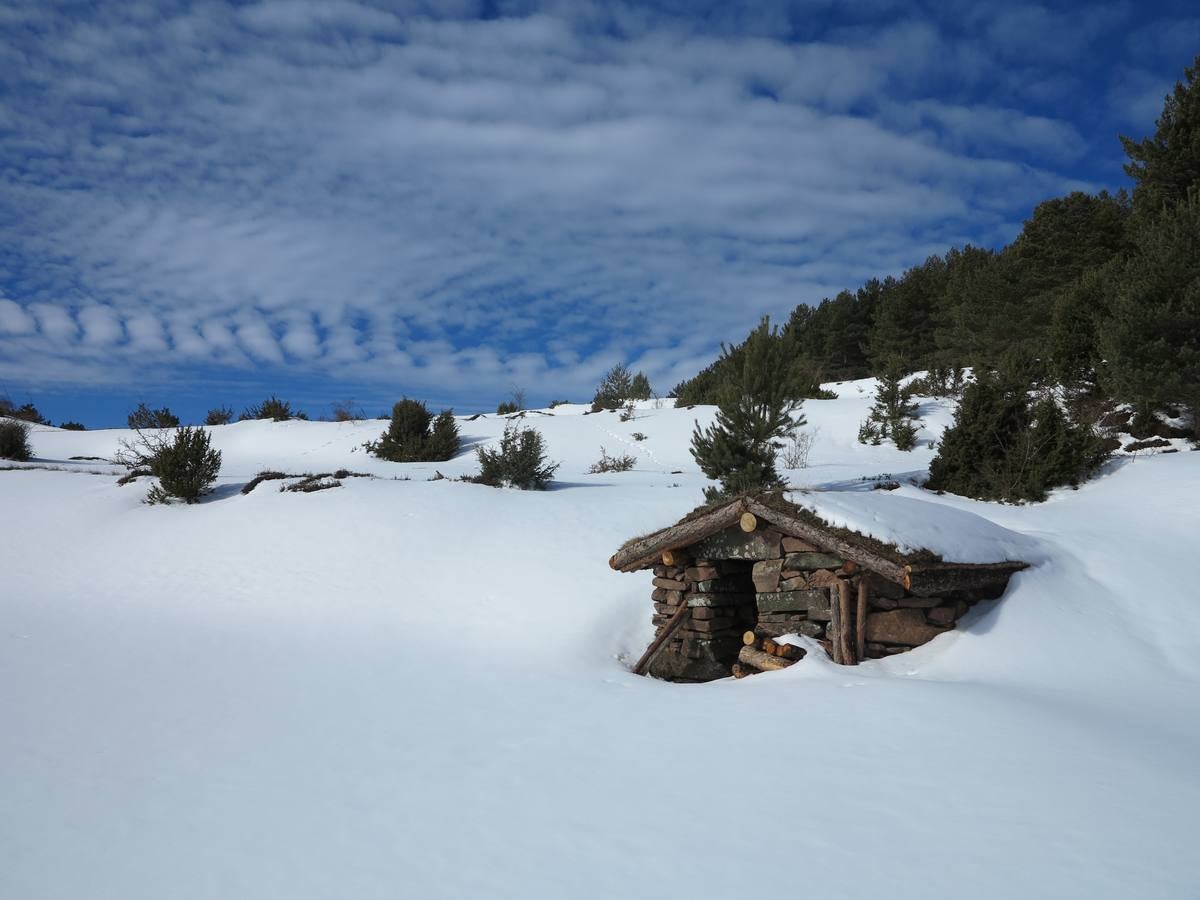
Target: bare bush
795,452
347,411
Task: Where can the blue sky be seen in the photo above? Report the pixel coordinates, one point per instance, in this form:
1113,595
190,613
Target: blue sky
203,203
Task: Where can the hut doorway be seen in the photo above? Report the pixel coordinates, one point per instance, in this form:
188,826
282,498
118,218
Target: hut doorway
703,605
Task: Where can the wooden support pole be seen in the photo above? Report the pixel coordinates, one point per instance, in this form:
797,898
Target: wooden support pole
836,626
843,622
860,620
657,644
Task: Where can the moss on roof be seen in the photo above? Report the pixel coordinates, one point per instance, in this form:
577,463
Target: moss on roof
777,501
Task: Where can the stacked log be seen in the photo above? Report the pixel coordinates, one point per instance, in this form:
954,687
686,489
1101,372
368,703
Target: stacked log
761,653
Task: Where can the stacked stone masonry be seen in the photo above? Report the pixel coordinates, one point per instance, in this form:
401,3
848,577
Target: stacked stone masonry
733,582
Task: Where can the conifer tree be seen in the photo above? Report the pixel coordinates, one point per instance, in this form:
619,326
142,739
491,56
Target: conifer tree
1002,447
145,418
413,435
1166,165
756,407
443,438
619,385
1151,341
893,412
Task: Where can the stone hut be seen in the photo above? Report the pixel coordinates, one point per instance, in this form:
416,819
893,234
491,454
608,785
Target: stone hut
730,579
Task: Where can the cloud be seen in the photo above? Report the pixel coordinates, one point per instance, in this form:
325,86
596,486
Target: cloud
14,319
413,197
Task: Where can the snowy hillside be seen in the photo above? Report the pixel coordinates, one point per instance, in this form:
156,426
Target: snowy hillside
416,688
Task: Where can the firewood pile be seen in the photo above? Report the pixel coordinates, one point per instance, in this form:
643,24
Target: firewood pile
761,653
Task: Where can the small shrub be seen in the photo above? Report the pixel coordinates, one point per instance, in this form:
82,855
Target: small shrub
443,439
222,415
870,433
415,436
14,440
796,451
26,412
519,461
514,404
612,463
638,436
310,484
554,403
627,411
258,479
346,411
904,434
183,461
133,475
940,381
272,408
1148,444
72,426
144,418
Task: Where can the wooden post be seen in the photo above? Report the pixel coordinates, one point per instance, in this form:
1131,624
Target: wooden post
860,620
842,620
836,625
657,644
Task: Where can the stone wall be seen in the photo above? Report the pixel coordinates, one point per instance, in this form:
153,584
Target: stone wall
773,584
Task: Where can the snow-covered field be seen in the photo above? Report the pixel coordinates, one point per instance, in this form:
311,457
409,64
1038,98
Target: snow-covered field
414,688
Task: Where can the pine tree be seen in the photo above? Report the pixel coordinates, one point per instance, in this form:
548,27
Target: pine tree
1151,341
413,435
754,411
145,418
185,464
519,461
614,388
443,439
1002,447
1071,341
893,412
904,316
1166,166
639,387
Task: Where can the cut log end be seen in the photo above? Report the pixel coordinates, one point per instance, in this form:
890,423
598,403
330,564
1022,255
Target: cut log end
677,559
748,521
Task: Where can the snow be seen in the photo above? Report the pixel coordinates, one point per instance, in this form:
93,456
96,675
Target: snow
420,688
910,525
